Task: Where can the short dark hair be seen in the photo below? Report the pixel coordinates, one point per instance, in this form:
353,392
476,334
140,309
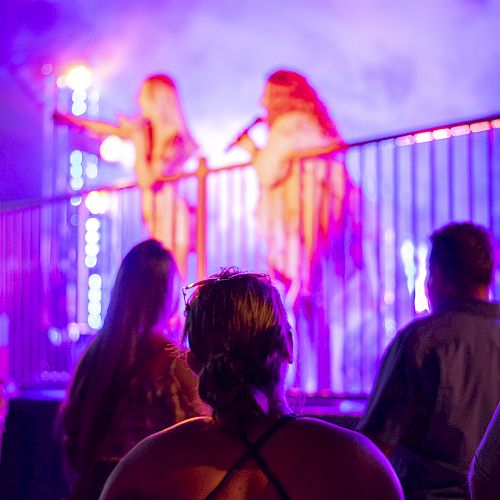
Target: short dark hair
464,253
238,331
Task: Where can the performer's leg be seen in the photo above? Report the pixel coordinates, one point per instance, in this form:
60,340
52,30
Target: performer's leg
148,210
172,225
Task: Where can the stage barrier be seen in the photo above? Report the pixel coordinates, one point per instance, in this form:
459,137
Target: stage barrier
354,248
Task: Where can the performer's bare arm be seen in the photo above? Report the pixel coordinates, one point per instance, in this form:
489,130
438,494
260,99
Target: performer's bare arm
336,145
244,141
94,127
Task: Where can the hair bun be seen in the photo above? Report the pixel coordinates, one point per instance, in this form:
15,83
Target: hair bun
222,380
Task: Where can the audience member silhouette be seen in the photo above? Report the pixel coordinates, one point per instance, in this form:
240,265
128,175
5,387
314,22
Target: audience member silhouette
436,390
252,446
131,381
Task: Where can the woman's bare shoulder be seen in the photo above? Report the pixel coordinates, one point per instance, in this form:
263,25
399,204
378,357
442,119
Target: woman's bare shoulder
183,432
150,463
325,434
347,455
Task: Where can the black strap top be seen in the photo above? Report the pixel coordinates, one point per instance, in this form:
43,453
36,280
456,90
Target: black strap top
252,451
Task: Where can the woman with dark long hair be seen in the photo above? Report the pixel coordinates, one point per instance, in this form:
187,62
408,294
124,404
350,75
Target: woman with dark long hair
252,447
131,381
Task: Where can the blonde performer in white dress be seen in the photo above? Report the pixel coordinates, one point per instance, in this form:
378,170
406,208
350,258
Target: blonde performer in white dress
162,143
306,203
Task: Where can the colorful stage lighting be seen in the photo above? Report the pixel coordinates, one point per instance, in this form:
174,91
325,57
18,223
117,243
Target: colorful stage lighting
78,78
92,224
55,336
94,321
95,281
73,332
76,183
91,261
76,201
111,148
97,202
94,307
76,157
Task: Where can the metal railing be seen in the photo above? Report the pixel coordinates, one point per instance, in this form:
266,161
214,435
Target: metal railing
57,268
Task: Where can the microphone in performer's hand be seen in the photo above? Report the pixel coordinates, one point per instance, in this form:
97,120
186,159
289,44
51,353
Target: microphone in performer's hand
244,132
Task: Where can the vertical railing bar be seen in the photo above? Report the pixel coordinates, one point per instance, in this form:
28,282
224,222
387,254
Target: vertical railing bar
201,211
2,264
52,259
176,201
362,284
432,181
323,223
235,218
33,291
451,181
22,288
223,205
221,209
345,360
414,218
491,183
237,247
3,261
3,286
246,224
154,216
300,241
14,366
378,227
35,276
396,208
19,295
17,299
316,320
470,187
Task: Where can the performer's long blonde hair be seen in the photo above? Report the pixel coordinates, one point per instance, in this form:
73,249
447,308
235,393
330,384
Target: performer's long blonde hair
164,108
290,91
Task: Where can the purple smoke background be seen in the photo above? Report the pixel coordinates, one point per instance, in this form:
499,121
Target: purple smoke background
381,66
